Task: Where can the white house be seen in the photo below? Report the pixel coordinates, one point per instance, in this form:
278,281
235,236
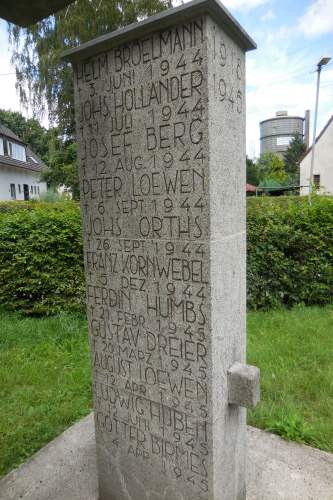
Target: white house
323,163
20,169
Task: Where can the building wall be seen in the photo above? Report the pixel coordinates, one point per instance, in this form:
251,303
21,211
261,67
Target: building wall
323,165
19,176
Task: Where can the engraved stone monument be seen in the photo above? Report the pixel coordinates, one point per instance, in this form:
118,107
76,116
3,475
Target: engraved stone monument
160,109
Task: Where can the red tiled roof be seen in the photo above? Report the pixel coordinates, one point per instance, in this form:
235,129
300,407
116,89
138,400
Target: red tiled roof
250,188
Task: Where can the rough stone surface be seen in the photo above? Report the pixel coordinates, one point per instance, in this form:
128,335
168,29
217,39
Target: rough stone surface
161,132
244,385
163,20
66,469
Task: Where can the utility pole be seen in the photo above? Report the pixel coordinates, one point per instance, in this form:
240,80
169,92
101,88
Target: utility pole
323,61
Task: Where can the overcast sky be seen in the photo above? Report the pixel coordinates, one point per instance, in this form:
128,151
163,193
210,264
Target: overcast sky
291,36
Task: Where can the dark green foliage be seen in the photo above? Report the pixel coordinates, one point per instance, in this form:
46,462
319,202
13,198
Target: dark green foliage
290,251
252,173
17,206
290,254
271,170
293,155
62,168
41,258
267,172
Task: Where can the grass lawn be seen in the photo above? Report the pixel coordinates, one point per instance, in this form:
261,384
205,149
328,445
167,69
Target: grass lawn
44,382
294,351
45,377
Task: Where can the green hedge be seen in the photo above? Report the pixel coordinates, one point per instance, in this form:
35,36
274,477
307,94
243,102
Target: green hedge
41,257
290,251
290,254
17,206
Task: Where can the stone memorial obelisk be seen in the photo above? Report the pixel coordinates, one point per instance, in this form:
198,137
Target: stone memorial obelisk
160,109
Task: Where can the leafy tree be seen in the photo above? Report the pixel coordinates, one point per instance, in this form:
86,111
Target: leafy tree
62,169
28,130
270,166
292,157
252,174
45,81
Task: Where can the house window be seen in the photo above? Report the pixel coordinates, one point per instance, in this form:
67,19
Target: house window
1,147
16,151
19,188
38,189
12,192
316,180
35,190
31,190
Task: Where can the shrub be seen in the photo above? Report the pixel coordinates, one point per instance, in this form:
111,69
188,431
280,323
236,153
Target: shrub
53,196
41,261
290,254
15,206
290,251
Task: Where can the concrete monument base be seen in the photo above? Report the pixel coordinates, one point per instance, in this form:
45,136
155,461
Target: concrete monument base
66,469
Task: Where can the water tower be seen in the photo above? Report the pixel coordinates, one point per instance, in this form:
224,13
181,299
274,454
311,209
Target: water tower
277,133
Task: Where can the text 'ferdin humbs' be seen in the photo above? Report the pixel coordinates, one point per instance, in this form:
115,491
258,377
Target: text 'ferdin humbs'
161,133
